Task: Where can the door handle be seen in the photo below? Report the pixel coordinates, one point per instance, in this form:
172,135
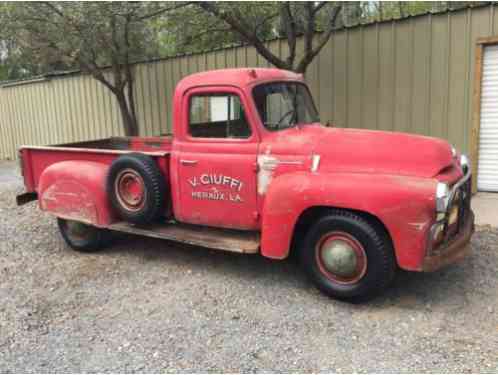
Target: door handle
188,162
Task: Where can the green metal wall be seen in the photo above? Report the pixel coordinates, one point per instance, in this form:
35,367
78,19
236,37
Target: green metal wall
412,75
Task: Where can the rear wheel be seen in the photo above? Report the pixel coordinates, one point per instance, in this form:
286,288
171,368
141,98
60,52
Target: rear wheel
347,256
83,237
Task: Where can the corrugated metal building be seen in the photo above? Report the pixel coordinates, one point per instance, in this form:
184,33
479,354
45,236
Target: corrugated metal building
421,74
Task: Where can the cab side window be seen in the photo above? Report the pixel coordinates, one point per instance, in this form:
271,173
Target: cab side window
217,116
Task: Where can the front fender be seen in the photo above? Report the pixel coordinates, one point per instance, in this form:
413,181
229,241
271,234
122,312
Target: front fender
76,190
405,205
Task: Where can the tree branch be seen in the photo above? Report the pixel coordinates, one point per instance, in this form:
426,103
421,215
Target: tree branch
244,30
290,27
319,6
308,57
310,28
54,8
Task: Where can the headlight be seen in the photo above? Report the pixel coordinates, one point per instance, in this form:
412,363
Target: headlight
453,151
464,163
442,197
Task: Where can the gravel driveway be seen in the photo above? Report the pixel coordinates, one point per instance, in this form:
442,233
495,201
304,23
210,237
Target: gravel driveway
153,306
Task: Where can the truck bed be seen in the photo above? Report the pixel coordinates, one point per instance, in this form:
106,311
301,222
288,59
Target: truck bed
35,159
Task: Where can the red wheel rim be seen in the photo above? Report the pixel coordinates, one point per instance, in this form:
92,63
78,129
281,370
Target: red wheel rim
341,257
130,190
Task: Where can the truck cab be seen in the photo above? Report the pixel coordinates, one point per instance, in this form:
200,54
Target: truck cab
251,169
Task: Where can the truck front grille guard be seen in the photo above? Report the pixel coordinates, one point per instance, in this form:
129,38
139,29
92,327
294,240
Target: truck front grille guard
464,186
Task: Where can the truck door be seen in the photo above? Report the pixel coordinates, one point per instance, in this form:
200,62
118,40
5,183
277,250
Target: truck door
216,160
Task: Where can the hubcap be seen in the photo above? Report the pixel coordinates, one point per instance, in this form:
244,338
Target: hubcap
341,257
130,190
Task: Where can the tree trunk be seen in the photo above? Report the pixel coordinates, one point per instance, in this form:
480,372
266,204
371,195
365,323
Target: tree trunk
131,97
118,88
127,114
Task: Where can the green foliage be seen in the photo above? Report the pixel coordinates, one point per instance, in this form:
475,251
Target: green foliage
35,39
368,11
100,38
79,35
190,29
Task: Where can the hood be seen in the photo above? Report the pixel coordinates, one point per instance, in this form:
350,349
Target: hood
365,151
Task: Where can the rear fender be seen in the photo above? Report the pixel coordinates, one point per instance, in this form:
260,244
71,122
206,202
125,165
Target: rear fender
76,190
404,205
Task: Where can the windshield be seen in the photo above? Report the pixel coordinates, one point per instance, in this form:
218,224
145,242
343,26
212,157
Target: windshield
282,105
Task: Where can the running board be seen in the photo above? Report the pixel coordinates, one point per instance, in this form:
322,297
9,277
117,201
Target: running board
213,238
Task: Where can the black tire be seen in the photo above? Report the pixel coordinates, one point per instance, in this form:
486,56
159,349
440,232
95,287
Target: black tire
379,267
154,188
85,239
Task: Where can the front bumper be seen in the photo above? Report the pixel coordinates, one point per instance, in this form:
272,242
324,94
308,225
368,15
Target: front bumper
456,236
453,250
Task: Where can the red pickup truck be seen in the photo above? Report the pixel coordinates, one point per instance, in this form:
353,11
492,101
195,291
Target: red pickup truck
250,169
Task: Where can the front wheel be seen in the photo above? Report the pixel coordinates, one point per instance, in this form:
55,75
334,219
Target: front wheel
82,237
347,256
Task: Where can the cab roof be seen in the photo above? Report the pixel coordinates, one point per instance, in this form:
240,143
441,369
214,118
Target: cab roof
239,77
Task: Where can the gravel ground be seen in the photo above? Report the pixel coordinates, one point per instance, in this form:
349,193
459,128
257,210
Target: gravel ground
147,305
